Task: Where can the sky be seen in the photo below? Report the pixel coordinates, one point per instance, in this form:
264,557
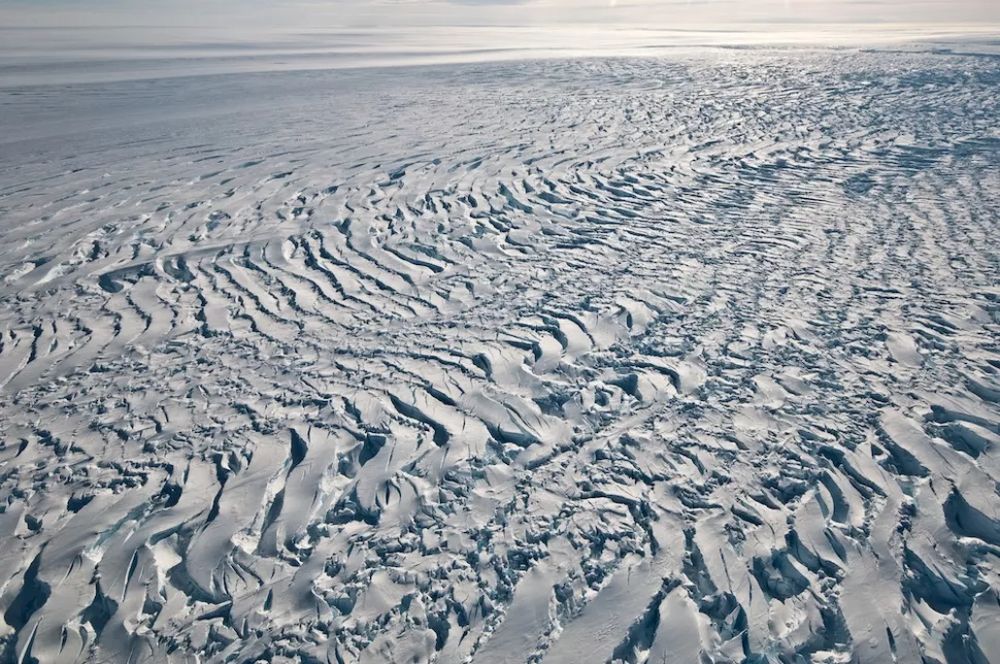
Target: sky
654,13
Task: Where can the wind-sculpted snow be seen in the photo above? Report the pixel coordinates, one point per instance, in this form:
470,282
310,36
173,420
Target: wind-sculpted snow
632,360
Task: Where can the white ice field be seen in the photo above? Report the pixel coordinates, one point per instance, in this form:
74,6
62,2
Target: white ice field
693,358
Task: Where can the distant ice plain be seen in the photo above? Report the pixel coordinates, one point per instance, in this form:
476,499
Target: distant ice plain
61,55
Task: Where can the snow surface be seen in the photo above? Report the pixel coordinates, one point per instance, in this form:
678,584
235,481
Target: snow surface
646,360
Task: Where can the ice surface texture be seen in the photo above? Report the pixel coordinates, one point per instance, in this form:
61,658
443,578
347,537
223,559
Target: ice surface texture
635,360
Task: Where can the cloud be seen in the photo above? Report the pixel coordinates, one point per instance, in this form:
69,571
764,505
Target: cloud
661,13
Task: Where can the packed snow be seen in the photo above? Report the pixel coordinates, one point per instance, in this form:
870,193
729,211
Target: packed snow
674,359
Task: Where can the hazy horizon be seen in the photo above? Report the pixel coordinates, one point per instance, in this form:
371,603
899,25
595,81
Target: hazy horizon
58,41
283,14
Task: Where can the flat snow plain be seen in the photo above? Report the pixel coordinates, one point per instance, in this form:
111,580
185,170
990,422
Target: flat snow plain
649,360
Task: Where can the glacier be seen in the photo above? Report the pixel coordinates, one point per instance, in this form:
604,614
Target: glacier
687,358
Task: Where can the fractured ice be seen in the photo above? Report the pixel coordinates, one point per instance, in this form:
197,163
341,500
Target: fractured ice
645,360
